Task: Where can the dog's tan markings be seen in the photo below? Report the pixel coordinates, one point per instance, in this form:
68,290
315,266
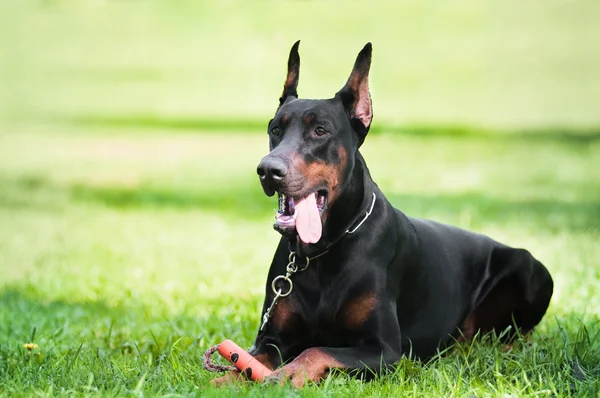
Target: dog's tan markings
285,120
317,172
265,359
467,330
282,314
312,365
291,80
343,156
309,118
358,310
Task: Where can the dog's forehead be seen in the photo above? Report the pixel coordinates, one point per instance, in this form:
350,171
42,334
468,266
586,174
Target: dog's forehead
307,109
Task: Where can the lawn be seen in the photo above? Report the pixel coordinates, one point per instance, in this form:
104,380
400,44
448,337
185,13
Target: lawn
134,233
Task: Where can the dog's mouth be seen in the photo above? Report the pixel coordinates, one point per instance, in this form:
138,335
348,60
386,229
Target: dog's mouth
301,215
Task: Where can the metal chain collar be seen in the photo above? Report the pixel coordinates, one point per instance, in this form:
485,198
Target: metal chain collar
290,270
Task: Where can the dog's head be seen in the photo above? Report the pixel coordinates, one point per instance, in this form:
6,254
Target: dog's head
313,146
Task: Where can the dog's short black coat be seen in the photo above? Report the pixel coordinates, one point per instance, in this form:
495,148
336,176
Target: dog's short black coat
396,285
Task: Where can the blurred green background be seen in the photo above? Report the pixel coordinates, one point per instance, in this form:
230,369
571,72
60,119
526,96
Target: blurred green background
133,230
492,64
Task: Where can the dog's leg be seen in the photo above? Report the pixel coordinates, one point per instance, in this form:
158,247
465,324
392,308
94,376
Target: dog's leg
516,293
314,363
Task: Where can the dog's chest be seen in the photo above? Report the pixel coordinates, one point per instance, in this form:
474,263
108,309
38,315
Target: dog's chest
321,315
320,318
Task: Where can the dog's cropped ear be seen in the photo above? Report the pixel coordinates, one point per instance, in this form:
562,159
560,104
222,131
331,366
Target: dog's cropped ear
355,94
291,81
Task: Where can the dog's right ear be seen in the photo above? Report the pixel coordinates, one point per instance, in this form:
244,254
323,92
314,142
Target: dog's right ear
291,81
355,94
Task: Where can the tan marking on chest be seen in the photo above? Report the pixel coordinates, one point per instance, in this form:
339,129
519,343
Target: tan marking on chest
358,310
283,313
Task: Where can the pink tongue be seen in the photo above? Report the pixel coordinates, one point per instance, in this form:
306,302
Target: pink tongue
308,220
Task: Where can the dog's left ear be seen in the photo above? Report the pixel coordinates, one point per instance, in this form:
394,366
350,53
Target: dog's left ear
355,94
291,81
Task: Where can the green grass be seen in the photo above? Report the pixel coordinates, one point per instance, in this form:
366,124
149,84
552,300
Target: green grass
128,258
134,233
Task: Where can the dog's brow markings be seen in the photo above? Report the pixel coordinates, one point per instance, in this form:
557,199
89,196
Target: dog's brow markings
309,117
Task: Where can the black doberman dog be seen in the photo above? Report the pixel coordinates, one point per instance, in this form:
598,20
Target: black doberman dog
378,284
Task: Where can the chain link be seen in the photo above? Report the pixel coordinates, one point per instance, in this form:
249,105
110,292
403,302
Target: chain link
290,269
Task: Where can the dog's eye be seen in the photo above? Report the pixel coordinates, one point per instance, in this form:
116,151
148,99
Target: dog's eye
320,131
276,131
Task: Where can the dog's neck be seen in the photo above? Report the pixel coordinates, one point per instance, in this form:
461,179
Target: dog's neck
352,203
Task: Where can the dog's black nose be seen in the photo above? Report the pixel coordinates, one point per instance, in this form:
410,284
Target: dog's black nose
272,169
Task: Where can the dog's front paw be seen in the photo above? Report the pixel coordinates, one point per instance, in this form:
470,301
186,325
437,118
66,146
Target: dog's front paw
294,373
306,368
